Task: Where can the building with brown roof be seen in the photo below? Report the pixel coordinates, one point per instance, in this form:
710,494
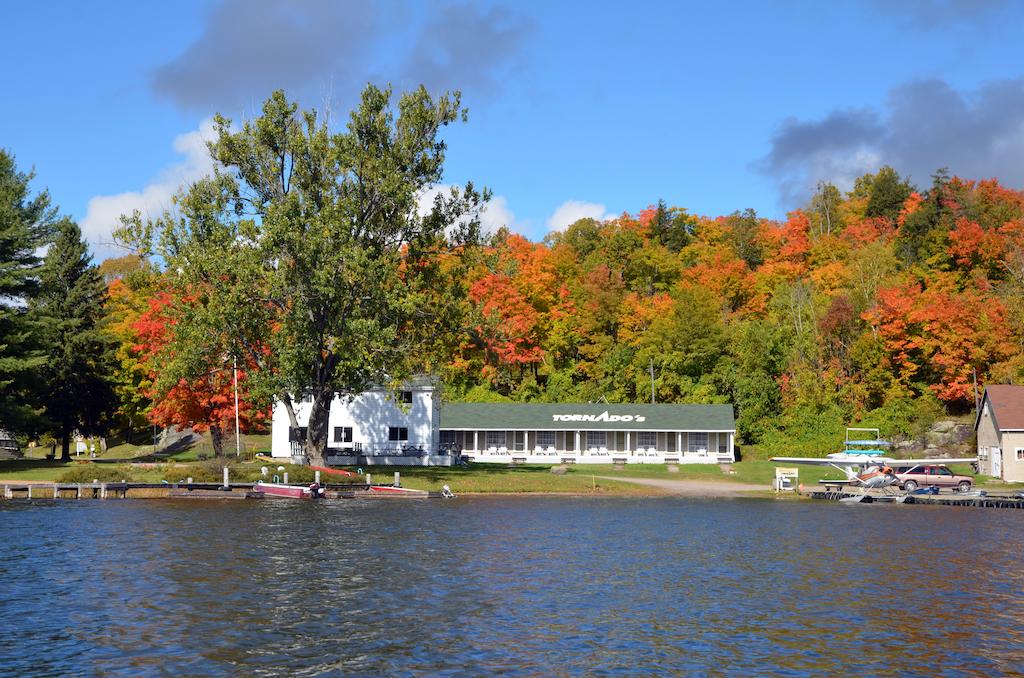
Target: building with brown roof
1000,429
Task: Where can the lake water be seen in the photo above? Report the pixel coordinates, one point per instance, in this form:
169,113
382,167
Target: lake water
541,585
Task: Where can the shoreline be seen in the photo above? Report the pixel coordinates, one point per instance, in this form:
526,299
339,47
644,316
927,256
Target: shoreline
639,487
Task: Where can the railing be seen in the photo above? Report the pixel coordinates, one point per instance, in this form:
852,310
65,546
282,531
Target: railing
394,450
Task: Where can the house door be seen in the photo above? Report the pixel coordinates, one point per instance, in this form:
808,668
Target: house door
997,462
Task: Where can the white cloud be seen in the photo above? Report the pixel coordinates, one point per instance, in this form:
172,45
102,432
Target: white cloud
495,214
104,211
571,211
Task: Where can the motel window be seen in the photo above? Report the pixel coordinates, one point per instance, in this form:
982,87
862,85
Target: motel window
342,434
545,438
698,441
647,439
407,397
398,433
495,439
597,439
1020,453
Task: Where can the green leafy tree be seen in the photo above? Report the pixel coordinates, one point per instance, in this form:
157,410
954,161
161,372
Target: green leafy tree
311,262
887,194
672,226
26,223
69,308
743,231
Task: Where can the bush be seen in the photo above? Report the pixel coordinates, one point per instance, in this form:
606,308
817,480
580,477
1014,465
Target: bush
213,472
199,473
104,473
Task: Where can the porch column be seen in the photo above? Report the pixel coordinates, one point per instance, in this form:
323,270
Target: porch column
476,441
577,447
629,447
679,443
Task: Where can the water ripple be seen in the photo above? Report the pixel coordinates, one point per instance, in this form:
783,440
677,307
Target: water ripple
557,586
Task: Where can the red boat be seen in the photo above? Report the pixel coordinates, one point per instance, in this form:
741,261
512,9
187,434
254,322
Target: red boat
314,491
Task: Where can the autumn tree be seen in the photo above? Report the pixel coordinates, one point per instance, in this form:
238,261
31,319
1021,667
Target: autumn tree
205,402
131,283
309,254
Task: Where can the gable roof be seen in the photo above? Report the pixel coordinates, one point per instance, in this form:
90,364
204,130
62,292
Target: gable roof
1007,403
585,417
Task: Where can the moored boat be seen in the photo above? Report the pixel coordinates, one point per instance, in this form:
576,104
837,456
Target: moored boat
314,491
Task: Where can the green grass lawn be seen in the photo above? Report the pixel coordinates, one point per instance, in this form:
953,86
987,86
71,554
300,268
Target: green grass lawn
481,478
500,478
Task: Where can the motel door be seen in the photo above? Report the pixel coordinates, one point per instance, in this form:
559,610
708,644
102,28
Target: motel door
997,462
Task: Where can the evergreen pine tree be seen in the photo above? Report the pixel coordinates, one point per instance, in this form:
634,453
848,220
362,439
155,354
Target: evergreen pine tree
25,225
69,307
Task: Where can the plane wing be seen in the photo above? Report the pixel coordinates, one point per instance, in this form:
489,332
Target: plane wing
822,461
904,463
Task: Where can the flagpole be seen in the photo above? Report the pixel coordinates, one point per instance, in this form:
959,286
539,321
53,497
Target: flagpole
238,442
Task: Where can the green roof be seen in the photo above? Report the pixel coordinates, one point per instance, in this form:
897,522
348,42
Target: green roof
585,417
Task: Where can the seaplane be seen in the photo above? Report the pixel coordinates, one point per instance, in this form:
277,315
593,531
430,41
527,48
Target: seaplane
865,464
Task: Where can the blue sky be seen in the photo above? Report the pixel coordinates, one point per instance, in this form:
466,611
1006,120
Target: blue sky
576,109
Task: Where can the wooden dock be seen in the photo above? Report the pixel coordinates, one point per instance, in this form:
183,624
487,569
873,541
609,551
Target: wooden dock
81,491
995,500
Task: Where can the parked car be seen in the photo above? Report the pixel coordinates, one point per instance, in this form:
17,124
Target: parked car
9,447
928,475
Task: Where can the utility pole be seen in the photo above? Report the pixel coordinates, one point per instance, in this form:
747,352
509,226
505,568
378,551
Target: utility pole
977,404
652,381
238,440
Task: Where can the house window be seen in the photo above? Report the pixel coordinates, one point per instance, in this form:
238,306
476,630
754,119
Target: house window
495,439
397,434
545,439
342,434
723,443
1020,453
698,442
407,397
647,439
296,434
597,439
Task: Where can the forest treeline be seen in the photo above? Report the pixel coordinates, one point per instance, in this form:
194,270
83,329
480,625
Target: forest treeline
884,305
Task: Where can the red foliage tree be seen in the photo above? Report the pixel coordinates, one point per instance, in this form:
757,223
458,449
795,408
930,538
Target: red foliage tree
206,403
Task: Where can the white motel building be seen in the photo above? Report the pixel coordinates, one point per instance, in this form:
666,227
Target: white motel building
411,427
